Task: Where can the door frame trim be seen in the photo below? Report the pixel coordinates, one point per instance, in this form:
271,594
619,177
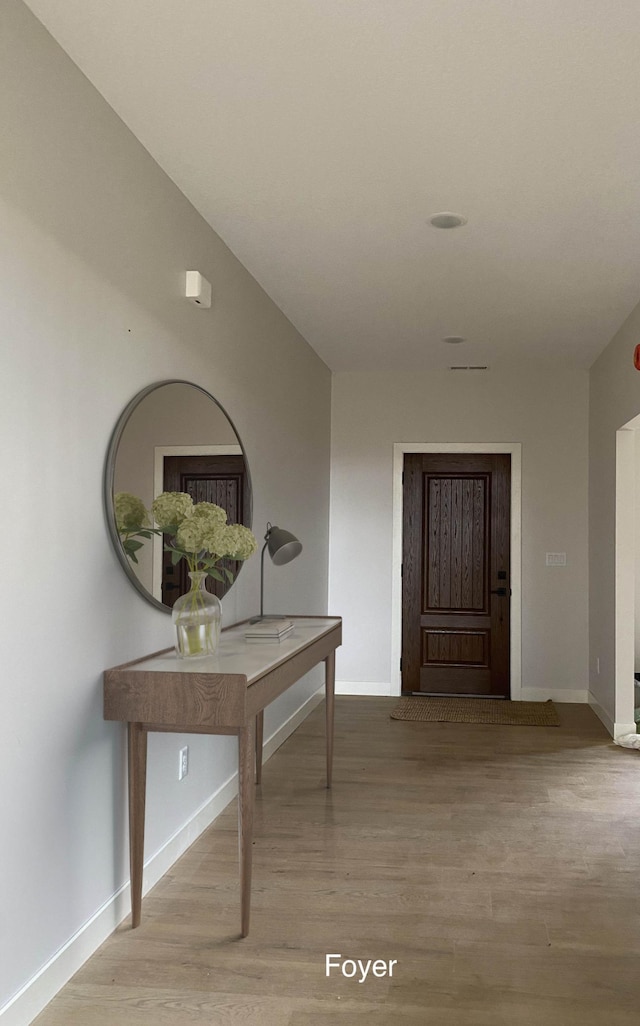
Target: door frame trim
514,449
625,582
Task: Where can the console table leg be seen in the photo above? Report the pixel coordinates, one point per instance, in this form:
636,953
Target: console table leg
137,787
259,740
246,797
330,680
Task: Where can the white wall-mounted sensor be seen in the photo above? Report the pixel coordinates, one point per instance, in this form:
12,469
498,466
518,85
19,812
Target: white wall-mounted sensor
197,289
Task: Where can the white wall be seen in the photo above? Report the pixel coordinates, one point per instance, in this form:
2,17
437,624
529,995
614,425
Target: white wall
547,414
94,242
614,401
636,559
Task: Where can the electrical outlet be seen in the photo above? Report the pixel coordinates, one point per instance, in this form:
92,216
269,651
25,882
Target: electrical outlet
183,766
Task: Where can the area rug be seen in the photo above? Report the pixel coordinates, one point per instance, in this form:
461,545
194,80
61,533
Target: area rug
477,710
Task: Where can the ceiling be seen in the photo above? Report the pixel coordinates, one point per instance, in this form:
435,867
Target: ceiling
318,137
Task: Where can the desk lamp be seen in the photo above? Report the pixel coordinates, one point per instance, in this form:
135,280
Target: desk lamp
283,547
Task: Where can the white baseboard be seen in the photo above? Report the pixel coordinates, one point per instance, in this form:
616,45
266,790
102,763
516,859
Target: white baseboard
36,994
603,715
357,687
375,688
615,729
555,694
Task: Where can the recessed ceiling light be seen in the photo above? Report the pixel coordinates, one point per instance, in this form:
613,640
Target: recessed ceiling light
453,340
446,219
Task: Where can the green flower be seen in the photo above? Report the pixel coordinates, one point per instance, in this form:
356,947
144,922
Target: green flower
200,532
240,541
213,513
203,531
215,540
130,512
171,508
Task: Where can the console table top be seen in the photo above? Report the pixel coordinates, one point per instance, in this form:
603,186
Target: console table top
237,656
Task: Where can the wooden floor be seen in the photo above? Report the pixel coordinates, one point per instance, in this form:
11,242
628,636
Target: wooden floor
499,865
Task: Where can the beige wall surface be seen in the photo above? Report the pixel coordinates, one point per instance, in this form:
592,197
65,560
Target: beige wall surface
94,244
614,400
547,414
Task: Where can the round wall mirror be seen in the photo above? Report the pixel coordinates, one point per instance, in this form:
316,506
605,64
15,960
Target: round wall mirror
174,437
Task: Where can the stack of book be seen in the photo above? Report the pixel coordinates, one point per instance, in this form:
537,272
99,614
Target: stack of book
274,629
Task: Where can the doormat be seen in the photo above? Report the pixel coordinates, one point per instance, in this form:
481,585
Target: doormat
477,710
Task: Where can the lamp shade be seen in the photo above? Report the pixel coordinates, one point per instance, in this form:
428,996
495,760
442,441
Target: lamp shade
283,546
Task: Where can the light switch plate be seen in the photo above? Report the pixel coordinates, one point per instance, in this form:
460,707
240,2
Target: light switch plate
556,559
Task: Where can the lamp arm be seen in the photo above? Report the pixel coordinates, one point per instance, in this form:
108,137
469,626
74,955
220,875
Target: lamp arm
262,578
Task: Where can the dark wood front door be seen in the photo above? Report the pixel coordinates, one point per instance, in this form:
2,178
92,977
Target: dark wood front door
455,575
218,479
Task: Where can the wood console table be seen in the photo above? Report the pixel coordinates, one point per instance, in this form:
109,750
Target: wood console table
222,694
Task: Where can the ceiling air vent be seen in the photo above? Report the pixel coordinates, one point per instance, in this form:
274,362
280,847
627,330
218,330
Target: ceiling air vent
465,368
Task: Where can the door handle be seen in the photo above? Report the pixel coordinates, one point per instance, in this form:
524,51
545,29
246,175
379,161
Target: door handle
498,591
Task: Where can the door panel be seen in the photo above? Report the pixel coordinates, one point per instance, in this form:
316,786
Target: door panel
455,558
468,648
456,510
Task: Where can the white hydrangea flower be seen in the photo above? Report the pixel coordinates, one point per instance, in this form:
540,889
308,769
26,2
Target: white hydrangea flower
240,542
202,535
130,512
215,540
191,533
204,531
209,510
171,508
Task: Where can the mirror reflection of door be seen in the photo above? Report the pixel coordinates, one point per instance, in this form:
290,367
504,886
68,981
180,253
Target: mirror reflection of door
455,580
219,479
